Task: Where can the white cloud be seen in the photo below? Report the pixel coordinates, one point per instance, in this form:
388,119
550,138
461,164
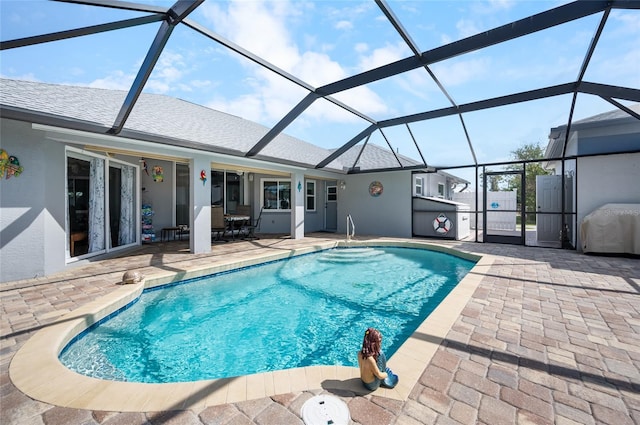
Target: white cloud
466,28
491,7
410,8
327,47
76,71
117,80
458,73
418,83
364,100
624,71
354,10
246,106
361,47
628,23
445,39
267,28
200,84
169,70
501,4
318,69
383,56
344,25
258,26
551,71
26,77
167,76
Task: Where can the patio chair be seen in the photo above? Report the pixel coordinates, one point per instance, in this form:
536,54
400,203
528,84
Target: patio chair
218,225
250,229
243,210
242,227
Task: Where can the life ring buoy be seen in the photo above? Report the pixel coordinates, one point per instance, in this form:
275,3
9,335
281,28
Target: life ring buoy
442,224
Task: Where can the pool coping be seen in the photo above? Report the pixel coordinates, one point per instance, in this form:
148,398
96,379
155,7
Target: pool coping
37,372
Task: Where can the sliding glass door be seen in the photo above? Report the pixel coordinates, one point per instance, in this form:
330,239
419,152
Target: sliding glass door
182,195
102,210
227,190
123,216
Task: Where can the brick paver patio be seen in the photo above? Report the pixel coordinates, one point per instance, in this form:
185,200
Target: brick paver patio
549,337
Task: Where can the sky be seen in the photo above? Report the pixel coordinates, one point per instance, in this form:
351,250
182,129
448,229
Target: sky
320,42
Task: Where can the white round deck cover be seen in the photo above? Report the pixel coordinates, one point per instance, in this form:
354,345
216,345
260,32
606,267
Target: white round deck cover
325,410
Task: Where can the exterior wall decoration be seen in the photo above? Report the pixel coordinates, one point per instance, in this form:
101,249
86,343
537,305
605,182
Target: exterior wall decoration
158,173
375,189
9,165
442,224
203,177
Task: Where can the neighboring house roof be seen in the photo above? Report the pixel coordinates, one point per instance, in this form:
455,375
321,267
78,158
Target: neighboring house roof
610,115
172,121
608,142
453,178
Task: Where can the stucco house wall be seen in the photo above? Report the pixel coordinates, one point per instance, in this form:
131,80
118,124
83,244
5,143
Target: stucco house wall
314,220
33,236
42,128
617,185
607,169
386,215
32,221
160,194
430,184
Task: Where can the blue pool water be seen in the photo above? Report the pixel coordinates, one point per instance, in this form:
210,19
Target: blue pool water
307,310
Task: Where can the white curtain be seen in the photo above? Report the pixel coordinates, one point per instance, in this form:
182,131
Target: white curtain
127,232
96,205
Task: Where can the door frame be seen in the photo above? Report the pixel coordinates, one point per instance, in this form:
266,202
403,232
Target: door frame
334,186
505,239
546,213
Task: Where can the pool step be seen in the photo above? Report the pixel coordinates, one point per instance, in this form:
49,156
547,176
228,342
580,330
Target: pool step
350,255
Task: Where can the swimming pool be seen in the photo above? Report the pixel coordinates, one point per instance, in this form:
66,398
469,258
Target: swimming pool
307,310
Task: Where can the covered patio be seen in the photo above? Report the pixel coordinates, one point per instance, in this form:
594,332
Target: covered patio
548,336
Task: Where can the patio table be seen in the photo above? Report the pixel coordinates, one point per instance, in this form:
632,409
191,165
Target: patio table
169,233
235,221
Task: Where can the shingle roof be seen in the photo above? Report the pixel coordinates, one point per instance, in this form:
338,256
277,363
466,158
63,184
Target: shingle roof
556,136
374,157
178,120
159,115
610,115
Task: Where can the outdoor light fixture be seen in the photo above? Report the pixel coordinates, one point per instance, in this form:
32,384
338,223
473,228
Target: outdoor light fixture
343,184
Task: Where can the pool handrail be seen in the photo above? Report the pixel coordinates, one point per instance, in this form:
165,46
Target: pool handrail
353,227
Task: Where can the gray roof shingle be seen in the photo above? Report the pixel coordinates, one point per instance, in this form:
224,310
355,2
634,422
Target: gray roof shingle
175,120
164,116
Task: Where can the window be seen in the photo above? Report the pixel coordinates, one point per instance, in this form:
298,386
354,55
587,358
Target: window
311,195
332,194
419,186
276,194
440,190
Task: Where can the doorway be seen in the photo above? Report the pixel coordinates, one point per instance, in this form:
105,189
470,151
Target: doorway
182,195
102,212
331,208
548,210
503,213
227,190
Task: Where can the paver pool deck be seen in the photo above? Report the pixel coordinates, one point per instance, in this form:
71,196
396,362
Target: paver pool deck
535,336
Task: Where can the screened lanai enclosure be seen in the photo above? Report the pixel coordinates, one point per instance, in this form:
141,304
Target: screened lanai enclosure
493,92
